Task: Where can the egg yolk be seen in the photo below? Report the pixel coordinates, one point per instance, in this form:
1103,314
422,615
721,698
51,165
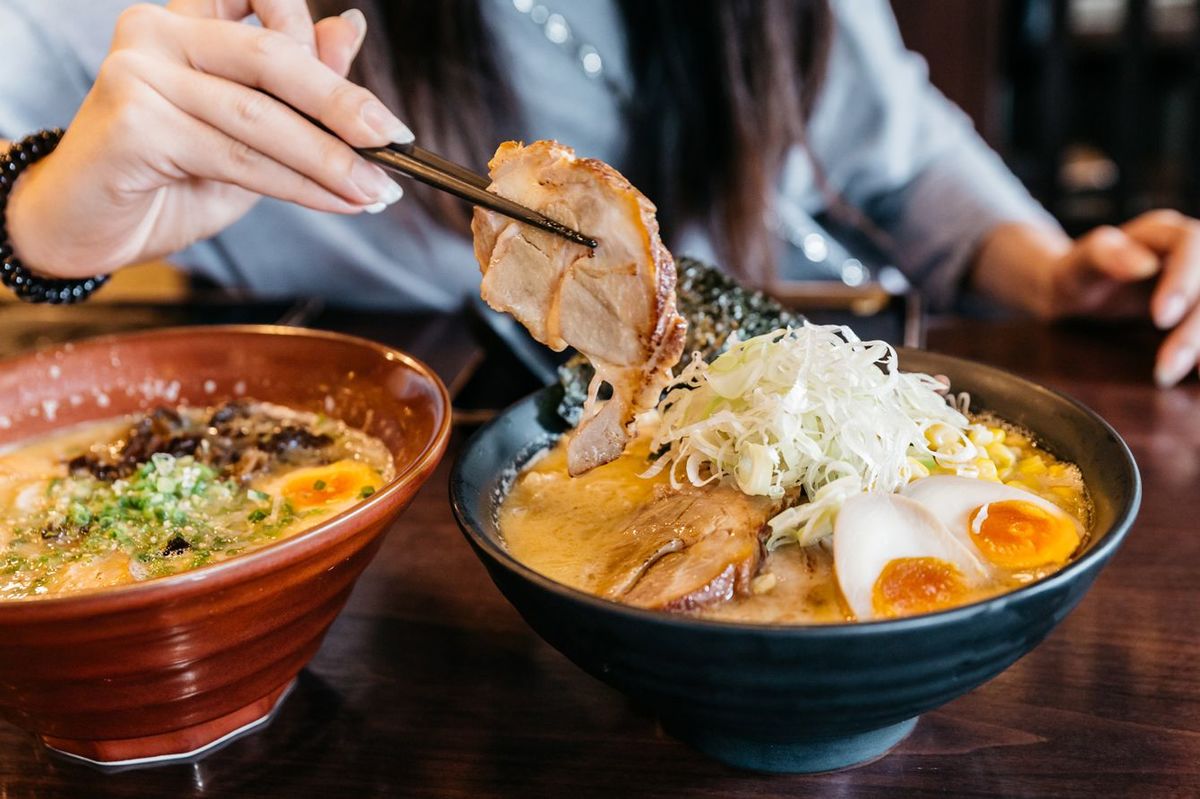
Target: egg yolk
1020,535
908,586
323,485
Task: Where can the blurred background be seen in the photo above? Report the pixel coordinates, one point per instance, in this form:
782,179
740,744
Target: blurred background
1094,103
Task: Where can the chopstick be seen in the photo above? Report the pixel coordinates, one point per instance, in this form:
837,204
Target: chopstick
440,173
433,170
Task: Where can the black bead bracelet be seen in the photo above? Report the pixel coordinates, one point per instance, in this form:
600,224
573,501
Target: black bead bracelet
25,284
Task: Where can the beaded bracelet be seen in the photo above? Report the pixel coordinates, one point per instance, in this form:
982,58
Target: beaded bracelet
26,285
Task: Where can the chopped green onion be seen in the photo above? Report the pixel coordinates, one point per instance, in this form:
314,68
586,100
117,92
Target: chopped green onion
80,516
811,408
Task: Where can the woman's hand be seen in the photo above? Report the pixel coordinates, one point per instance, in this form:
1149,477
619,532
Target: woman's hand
175,141
1109,272
1108,268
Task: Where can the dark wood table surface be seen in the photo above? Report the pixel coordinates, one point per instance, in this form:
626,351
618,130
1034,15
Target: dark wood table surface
430,685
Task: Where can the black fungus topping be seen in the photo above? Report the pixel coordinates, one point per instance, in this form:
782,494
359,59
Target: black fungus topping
237,440
176,546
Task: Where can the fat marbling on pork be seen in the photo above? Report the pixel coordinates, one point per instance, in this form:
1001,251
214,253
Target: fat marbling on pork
614,304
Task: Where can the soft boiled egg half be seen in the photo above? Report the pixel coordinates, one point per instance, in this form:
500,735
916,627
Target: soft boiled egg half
1008,527
338,483
940,539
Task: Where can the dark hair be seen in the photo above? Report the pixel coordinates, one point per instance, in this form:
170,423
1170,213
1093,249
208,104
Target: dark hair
722,91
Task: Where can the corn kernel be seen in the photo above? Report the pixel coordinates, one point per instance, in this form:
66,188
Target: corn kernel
941,436
1066,492
987,470
1032,465
763,583
981,436
1001,455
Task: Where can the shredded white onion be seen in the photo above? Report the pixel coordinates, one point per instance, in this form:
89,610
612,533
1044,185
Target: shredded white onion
811,409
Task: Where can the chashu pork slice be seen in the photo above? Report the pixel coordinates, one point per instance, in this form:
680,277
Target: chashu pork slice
687,549
614,304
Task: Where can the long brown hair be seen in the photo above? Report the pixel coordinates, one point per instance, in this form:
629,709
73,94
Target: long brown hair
722,89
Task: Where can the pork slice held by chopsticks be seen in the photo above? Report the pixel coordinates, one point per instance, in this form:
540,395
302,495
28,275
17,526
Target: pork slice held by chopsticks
614,304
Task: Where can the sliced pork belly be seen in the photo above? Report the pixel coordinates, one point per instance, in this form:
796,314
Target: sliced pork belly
614,304
687,549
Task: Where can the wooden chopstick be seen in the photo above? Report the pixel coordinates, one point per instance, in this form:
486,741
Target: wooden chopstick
433,170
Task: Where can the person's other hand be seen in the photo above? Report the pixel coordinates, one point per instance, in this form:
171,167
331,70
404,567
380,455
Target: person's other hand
1108,272
175,141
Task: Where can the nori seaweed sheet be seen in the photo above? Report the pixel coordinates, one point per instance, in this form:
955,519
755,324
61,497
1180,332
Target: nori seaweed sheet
714,304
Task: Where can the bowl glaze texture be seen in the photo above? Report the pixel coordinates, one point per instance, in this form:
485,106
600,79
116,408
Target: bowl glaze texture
792,698
167,667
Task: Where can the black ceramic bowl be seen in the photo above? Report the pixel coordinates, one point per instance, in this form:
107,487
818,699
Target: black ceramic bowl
790,698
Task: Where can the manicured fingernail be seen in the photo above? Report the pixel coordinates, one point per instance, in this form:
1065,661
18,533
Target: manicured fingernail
359,21
374,183
1173,309
376,208
1172,370
391,193
385,123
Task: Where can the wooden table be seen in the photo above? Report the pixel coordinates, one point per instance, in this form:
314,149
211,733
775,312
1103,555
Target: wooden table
430,685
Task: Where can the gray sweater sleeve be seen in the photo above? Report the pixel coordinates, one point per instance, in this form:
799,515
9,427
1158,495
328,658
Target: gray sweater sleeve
49,53
893,146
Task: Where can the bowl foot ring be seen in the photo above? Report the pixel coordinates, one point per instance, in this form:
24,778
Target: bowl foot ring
188,744
799,757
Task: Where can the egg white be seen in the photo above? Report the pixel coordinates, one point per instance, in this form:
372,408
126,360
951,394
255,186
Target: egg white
875,528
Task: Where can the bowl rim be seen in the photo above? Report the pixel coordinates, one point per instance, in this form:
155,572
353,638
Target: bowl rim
269,558
1093,558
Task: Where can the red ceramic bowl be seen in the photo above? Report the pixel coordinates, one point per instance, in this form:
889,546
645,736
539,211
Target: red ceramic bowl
169,667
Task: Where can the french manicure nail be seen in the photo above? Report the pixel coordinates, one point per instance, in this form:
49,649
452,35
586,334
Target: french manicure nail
375,208
391,193
371,180
359,21
1174,368
1173,309
385,123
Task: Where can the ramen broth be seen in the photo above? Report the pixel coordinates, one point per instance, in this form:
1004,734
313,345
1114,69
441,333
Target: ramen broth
576,530
138,497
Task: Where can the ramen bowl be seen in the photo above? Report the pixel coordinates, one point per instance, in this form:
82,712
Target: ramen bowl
171,667
803,698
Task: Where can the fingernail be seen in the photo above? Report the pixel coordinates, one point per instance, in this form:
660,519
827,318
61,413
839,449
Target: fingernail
359,21
376,208
385,123
375,183
1172,370
391,193
1173,309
